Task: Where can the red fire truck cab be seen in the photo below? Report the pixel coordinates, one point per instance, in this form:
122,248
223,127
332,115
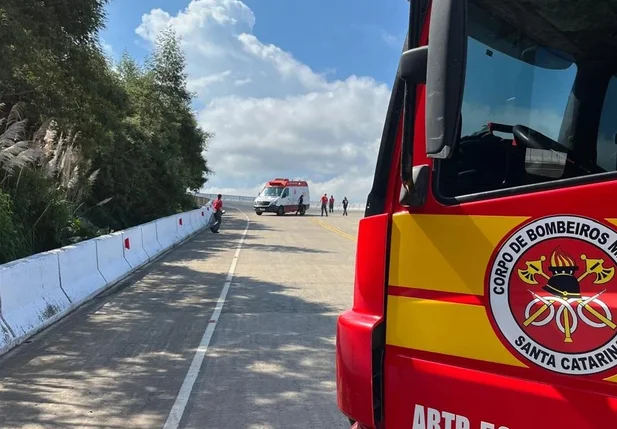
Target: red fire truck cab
485,289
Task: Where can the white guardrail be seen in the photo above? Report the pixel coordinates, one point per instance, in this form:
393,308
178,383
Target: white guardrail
249,201
38,290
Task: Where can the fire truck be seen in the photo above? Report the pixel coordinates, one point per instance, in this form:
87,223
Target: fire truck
485,294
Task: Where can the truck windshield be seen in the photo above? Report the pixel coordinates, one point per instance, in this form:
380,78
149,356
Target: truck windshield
271,191
527,67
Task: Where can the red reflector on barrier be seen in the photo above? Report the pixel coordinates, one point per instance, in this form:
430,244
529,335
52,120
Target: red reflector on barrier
180,220
127,243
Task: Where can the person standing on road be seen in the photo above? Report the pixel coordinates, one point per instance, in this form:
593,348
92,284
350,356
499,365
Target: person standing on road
345,204
324,204
300,203
331,203
217,206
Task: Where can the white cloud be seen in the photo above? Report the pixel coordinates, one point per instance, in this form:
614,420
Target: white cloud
390,39
272,115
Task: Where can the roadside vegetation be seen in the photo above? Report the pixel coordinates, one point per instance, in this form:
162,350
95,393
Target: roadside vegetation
88,145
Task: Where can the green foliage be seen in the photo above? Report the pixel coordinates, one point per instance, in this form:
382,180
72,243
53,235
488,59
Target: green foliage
11,247
79,229
105,147
41,209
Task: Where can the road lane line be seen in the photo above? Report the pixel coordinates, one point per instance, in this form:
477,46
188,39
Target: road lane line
336,230
177,411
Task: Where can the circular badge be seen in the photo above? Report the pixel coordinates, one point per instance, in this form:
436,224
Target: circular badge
553,294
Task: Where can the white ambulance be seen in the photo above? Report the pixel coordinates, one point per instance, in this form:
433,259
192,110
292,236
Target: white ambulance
282,196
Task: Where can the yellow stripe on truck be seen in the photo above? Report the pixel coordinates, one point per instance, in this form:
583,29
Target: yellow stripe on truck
447,328
612,379
426,250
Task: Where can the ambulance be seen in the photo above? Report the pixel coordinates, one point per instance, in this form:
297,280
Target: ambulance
485,291
281,196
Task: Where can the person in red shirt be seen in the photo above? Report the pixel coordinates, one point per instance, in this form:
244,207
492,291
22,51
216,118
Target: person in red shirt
331,203
217,205
324,204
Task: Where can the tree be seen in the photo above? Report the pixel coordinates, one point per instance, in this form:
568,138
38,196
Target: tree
169,68
160,149
104,147
51,58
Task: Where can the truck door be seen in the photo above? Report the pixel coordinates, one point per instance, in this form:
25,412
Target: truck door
501,298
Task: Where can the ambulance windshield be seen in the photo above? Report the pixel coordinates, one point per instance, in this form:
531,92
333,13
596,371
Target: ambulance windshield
539,98
271,191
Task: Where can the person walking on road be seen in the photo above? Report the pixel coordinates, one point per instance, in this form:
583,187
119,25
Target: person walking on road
331,203
324,204
217,206
345,204
300,204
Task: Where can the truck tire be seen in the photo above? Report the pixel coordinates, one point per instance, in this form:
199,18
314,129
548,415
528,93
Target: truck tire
280,211
302,210
258,213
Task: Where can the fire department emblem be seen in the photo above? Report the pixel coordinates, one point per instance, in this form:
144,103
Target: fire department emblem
553,294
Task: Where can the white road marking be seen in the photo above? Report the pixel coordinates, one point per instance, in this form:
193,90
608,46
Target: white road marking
175,415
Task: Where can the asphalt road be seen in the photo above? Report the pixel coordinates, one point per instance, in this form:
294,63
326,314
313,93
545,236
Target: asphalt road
122,360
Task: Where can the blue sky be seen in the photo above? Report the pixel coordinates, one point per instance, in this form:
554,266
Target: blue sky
341,37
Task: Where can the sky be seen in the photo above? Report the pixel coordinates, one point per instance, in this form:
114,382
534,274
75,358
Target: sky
289,89
300,89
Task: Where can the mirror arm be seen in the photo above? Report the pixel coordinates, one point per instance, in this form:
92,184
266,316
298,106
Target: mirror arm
413,71
414,195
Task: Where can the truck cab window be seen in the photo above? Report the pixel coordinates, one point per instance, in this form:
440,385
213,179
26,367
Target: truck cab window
285,193
532,102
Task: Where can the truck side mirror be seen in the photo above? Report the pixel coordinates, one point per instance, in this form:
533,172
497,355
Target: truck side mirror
445,75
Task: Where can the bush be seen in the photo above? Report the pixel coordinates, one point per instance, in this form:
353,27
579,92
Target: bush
11,237
41,211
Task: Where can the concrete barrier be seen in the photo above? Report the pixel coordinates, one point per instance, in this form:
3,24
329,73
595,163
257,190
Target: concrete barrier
79,274
197,220
110,257
6,336
133,247
38,290
31,294
166,231
150,240
204,216
183,226
191,222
